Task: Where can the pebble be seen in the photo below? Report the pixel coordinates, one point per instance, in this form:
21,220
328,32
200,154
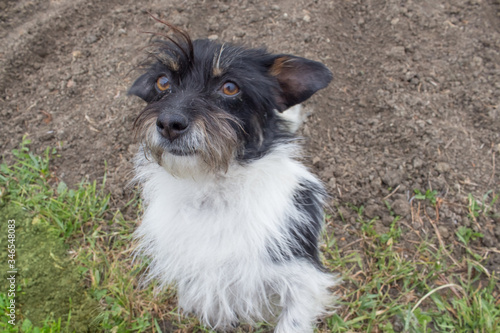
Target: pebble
91,39
76,54
443,167
401,207
477,61
410,75
376,182
240,33
392,178
372,211
397,52
417,163
489,240
443,231
387,220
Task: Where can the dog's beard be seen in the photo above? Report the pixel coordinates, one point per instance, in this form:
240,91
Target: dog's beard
209,147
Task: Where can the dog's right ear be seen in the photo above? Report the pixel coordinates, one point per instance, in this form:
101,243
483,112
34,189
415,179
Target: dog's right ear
299,79
143,87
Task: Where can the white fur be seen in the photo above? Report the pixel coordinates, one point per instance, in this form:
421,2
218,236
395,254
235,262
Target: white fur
209,234
294,116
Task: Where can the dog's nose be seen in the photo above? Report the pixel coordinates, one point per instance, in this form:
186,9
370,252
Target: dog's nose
171,126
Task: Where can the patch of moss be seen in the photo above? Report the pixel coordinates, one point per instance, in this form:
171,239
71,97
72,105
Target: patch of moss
50,282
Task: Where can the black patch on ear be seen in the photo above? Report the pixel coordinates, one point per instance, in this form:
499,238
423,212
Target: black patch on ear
143,87
299,79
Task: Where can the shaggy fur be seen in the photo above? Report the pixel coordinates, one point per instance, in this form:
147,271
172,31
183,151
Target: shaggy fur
232,219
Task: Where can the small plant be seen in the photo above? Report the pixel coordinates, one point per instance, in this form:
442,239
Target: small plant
359,210
428,195
475,207
478,208
465,235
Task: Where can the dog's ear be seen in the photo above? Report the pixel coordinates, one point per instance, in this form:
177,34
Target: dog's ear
299,79
143,87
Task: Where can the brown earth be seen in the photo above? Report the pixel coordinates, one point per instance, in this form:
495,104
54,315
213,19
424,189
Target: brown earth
414,103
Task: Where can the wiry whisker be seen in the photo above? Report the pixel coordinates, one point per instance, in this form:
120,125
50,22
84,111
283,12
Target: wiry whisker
220,53
221,139
149,114
180,39
217,71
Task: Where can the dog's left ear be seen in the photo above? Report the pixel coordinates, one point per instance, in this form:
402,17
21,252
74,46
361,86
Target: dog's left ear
299,79
143,87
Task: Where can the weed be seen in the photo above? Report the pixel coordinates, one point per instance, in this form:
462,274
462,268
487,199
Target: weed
359,210
481,208
465,235
428,195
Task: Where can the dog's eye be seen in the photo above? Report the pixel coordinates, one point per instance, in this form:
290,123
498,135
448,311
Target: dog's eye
230,88
163,83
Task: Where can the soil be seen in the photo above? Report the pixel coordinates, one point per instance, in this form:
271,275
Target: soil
414,104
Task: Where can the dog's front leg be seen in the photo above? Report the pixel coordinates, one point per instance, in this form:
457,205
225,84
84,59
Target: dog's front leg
299,311
304,297
295,318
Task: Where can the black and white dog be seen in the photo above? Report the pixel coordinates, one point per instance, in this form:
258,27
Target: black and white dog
232,219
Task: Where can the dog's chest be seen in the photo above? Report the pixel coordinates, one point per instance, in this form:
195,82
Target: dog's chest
213,221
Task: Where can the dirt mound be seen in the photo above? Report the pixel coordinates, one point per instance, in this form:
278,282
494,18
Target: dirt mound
414,104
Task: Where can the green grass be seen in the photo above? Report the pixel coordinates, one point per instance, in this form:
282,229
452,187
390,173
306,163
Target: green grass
428,195
396,285
27,183
391,283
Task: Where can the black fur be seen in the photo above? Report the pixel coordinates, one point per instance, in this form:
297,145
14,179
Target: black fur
303,237
267,83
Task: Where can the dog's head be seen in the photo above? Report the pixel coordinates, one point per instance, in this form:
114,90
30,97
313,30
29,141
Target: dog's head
210,104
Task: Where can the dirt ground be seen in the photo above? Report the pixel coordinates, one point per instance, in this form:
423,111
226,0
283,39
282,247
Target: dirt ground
414,103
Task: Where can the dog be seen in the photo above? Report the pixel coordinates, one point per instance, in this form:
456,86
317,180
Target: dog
232,219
